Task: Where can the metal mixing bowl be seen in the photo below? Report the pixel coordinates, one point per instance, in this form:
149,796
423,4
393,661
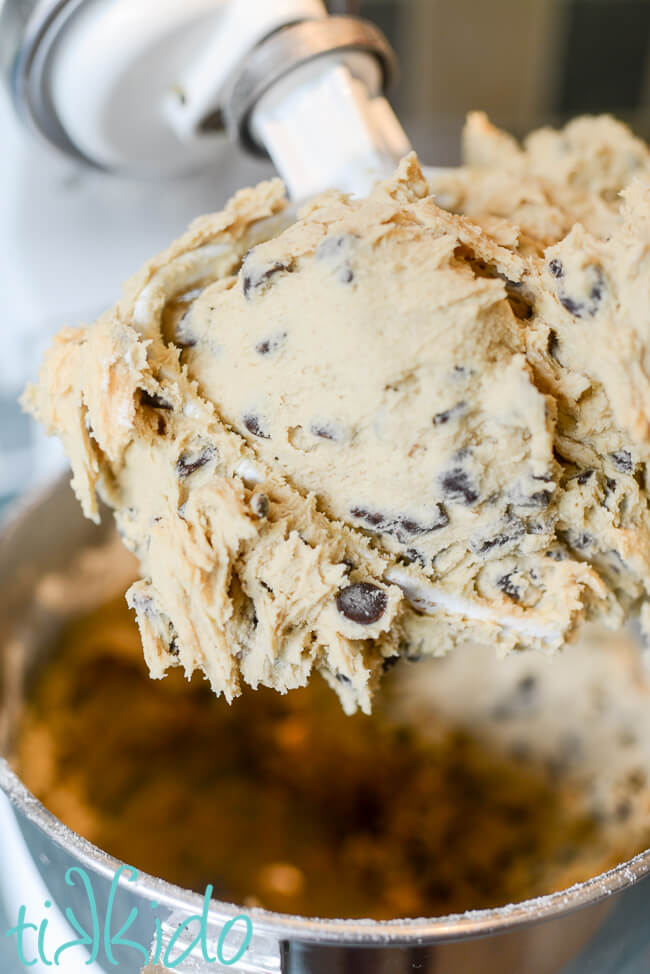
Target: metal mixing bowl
599,926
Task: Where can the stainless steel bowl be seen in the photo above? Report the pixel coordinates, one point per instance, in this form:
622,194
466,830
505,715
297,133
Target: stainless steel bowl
599,926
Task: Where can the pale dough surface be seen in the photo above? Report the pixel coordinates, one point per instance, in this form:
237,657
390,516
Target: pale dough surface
384,427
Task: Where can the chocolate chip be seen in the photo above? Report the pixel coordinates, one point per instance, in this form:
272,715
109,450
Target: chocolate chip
362,603
527,685
373,518
402,527
553,345
557,554
576,539
512,529
412,557
507,585
346,274
408,526
574,307
440,418
253,278
173,649
389,662
187,462
584,476
153,400
556,267
253,425
540,498
545,477
345,680
271,344
458,486
259,504
589,307
622,460
325,432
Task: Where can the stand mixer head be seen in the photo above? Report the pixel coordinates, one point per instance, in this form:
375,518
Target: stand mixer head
156,87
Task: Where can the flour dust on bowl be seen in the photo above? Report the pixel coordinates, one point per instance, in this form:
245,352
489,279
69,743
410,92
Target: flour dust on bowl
367,819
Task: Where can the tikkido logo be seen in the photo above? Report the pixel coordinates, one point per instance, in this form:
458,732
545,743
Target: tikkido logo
239,930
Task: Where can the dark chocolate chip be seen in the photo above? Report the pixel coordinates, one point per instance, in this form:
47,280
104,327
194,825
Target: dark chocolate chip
173,647
574,307
527,685
556,267
389,662
346,274
597,290
557,554
440,418
325,432
403,528
408,526
588,308
576,539
254,277
373,518
512,528
507,585
545,477
458,486
553,345
362,603
540,498
187,462
271,344
584,476
254,426
345,680
622,460
259,504
153,400
414,557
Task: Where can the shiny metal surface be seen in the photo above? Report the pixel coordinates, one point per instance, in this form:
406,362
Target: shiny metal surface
290,48
600,926
28,30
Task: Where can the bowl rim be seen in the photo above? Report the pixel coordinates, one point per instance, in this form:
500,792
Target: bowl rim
282,926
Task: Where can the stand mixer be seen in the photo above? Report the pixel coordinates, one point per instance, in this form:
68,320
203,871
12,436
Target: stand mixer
155,90
156,87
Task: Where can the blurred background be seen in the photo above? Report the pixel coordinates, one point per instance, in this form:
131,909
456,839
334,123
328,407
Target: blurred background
70,235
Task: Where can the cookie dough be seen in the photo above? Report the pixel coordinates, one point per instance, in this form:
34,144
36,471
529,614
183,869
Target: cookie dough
379,427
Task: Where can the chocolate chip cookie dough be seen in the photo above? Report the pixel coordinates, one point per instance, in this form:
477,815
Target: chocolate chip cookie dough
381,427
